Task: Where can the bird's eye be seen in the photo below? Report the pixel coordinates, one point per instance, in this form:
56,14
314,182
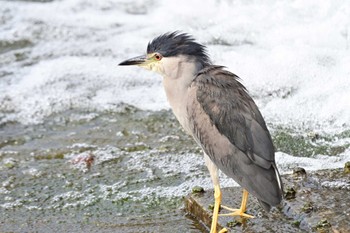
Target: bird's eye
158,57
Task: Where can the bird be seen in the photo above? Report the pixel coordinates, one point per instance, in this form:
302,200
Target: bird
214,107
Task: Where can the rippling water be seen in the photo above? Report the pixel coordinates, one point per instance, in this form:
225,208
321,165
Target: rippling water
86,145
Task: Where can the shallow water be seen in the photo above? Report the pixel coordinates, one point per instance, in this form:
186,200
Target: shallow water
86,145
112,172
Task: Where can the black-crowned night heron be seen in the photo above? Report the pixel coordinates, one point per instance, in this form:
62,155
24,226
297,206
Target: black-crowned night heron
215,108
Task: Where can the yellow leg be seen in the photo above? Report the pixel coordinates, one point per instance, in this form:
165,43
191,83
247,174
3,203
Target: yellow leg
241,210
217,197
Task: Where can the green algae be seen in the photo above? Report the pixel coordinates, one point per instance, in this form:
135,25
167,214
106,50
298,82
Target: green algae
290,142
197,189
307,207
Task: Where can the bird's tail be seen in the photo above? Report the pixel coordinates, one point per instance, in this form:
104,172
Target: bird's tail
279,180
266,206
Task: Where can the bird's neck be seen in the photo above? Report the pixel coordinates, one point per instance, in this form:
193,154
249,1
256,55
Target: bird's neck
176,83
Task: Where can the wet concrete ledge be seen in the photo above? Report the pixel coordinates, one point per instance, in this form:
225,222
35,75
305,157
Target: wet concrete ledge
314,202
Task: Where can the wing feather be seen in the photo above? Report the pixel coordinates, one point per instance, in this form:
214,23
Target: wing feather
234,113
226,122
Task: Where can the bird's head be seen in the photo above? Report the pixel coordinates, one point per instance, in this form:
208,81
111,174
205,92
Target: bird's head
167,51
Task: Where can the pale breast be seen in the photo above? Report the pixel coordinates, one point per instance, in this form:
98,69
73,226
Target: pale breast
177,95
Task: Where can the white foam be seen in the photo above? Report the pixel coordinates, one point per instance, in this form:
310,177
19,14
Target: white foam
287,162
194,172
293,57
279,47
68,82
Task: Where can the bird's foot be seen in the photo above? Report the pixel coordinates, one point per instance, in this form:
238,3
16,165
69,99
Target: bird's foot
235,212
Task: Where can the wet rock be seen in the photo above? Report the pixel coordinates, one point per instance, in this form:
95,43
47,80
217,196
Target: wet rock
197,189
315,208
308,207
234,223
299,172
347,168
323,225
289,193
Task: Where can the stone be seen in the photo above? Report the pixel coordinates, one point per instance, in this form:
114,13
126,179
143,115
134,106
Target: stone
321,204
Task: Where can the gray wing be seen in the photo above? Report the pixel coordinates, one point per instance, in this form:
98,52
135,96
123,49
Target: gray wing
228,125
